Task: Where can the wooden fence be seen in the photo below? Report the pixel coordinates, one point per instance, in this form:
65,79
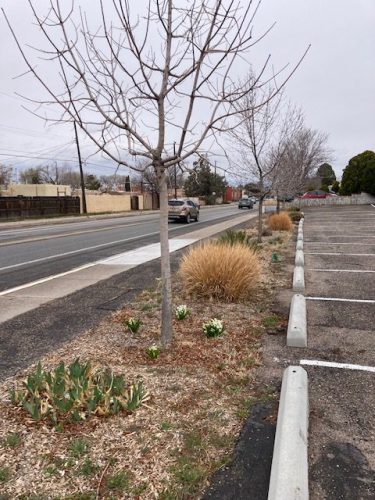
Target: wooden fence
15,207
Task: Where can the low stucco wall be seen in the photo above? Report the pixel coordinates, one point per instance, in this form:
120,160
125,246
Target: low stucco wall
38,190
97,203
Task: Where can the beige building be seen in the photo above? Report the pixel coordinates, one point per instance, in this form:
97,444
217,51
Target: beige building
37,190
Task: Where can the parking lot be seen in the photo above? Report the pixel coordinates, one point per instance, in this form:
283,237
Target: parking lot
339,246
339,257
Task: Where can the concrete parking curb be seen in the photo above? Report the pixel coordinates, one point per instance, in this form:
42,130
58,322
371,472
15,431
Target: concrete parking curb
297,324
289,471
299,279
299,245
299,259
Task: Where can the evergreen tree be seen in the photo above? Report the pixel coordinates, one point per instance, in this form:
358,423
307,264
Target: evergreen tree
326,174
359,174
203,182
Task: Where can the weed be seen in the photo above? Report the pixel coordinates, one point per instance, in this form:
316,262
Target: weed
78,447
153,352
193,441
88,468
220,271
188,473
118,481
138,490
12,440
51,471
270,321
166,426
4,474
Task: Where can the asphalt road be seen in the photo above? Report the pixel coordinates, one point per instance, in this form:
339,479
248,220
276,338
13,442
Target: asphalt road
31,253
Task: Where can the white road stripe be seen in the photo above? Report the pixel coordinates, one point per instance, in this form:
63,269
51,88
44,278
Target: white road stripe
337,299
332,364
44,280
311,242
340,271
342,253
80,250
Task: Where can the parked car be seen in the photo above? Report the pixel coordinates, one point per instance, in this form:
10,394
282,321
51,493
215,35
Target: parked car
183,209
245,203
318,193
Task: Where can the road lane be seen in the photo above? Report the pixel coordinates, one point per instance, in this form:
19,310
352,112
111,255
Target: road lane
70,245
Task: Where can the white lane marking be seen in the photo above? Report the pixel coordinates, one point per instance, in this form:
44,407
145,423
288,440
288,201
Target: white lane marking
102,245
337,299
80,250
340,271
342,254
44,280
332,364
131,258
372,205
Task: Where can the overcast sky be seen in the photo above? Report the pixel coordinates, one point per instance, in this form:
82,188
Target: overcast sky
335,85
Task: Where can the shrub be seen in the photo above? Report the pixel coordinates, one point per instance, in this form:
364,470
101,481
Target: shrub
294,209
280,222
235,237
295,216
75,392
228,272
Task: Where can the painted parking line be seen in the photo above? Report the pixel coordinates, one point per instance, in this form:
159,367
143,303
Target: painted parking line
342,254
312,242
333,364
340,271
338,299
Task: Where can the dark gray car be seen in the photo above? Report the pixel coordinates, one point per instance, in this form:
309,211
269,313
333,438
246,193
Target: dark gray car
245,203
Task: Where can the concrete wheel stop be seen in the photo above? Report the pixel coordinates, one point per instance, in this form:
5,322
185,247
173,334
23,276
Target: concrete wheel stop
289,471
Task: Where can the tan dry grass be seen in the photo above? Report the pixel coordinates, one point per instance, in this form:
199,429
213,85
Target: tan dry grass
280,222
220,271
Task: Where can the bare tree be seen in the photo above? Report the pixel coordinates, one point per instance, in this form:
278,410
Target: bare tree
144,82
261,139
5,175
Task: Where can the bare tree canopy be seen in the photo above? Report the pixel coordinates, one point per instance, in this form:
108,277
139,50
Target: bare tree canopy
153,85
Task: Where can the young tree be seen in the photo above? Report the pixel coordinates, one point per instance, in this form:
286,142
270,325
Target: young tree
5,175
141,84
261,139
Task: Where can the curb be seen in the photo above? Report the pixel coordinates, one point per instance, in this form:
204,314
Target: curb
289,471
297,324
299,245
299,279
299,259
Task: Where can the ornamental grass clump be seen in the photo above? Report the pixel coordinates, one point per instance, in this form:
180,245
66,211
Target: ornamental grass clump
280,222
225,272
76,392
231,237
213,328
181,312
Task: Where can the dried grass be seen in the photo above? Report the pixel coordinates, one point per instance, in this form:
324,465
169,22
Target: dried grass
280,222
220,271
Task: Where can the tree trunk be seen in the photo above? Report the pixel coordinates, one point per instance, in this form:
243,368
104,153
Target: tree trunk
278,205
260,219
166,282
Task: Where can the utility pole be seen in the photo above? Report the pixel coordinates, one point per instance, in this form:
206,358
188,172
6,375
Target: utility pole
175,172
84,206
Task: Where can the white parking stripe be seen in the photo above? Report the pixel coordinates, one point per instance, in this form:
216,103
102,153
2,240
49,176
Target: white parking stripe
342,253
337,299
340,271
332,364
311,242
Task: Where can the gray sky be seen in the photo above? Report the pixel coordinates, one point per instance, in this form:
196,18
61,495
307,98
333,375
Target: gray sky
335,86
